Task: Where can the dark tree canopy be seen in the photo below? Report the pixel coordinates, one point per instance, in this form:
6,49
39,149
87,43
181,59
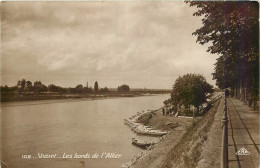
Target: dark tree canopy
96,86
54,88
190,89
24,86
123,88
231,29
105,89
79,88
230,26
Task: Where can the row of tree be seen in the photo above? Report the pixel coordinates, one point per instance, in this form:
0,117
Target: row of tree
232,30
27,86
24,86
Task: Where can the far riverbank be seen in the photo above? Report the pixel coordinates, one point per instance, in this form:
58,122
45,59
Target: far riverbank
71,97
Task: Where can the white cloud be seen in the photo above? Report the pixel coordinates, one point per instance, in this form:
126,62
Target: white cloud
73,42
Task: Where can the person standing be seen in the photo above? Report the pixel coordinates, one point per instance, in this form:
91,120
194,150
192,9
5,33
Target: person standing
227,93
163,111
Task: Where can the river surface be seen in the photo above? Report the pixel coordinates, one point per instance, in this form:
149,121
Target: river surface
56,127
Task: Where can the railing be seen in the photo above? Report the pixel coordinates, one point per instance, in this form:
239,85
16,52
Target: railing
224,145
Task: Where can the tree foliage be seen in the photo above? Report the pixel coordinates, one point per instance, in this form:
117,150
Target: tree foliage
79,88
6,89
26,86
96,86
232,31
123,88
190,89
104,90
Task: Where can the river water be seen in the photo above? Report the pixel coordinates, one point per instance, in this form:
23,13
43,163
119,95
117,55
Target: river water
54,127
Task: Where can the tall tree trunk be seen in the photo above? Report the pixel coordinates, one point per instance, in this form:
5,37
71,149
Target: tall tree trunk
245,88
235,90
240,90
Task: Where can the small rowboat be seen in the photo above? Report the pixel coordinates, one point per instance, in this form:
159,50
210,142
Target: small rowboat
141,143
150,132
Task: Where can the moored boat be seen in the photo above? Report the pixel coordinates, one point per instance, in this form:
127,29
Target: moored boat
150,132
141,143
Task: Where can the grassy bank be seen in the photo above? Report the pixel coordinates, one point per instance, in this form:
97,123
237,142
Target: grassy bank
187,152
182,146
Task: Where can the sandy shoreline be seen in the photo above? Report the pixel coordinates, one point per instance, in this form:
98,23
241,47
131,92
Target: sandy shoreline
173,145
155,154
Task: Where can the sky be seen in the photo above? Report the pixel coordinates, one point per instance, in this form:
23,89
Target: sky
142,44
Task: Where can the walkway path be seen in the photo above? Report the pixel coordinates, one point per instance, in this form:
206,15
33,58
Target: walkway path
243,132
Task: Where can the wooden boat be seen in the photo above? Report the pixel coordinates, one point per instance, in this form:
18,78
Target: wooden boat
140,128
157,133
141,143
151,132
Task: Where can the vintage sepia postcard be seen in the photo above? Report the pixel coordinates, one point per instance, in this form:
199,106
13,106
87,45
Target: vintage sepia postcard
129,84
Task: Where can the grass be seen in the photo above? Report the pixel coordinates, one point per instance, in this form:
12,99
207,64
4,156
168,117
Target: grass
188,151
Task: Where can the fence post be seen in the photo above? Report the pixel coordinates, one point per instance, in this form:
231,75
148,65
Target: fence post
224,145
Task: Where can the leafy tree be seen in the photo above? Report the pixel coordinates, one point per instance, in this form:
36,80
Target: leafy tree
190,89
12,89
53,88
105,89
79,88
96,87
37,83
87,89
28,83
229,26
36,86
232,30
224,74
90,89
29,86
42,88
19,83
123,88
4,89
23,82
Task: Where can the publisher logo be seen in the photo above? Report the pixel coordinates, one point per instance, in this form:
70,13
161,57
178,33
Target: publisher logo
243,151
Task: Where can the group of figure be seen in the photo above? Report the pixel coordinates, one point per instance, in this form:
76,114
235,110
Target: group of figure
167,111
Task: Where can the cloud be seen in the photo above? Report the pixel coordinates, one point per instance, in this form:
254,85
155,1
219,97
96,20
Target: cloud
142,43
